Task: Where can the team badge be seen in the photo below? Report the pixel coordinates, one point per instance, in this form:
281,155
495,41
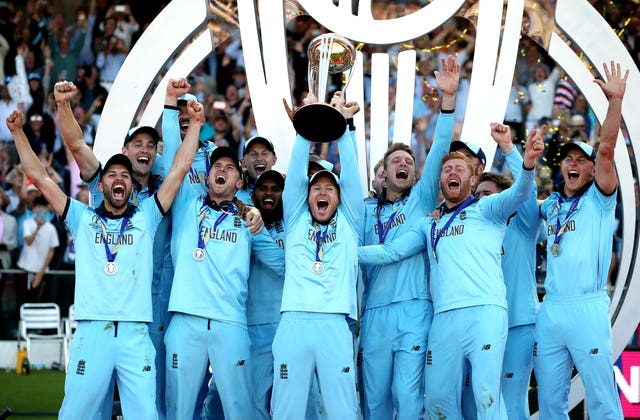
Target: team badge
110,268
317,267
198,254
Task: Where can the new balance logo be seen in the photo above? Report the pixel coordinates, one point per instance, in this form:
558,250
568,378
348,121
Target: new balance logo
594,351
240,363
429,358
81,367
174,361
415,348
284,371
147,368
486,347
346,369
509,375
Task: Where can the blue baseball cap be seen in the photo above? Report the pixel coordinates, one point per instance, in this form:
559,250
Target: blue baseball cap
588,151
471,147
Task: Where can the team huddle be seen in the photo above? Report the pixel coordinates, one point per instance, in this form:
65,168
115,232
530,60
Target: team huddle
207,286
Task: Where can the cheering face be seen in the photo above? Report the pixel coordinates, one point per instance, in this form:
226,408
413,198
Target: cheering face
267,196
258,159
577,169
116,185
141,151
183,119
323,199
224,179
400,170
456,181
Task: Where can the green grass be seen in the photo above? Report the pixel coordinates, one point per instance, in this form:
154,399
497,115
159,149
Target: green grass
35,396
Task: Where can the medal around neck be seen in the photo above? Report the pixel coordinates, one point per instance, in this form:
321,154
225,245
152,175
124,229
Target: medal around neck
554,250
110,268
198,254
317,267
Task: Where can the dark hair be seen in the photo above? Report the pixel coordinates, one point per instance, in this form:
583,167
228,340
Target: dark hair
40,201
502,181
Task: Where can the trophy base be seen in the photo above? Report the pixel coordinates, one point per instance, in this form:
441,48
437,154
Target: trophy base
319,122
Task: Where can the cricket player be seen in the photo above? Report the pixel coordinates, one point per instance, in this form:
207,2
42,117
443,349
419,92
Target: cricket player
397,308
322,217
573,327
464,239
112,301
209,292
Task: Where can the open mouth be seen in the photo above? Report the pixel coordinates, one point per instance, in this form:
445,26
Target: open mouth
402,174
220,179
260,168
184,125
573,175
118,191
453,184
323,204
268,203
143,160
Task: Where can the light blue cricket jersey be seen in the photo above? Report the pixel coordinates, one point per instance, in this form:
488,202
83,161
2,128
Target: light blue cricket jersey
265,286
586,246
468,271
405,279
125,295
197,176
162,240
519,258
334,290
215,288
245,195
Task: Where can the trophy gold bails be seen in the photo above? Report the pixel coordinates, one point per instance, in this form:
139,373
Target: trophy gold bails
328,54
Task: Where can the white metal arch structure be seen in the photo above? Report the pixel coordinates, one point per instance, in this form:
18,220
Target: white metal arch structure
182,36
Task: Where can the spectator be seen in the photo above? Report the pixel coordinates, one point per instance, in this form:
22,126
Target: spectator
40,132
126,24
8,233
40,240
110,60
65,57
541,94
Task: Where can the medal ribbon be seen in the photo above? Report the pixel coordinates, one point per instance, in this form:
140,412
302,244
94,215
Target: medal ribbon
436,239
320,237
384,230
561,226
227,208
111,254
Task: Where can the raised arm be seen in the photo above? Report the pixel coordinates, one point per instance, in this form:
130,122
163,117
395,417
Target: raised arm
501,206
184,158
33,167
428,186
614,88
350,187
170,123
64,93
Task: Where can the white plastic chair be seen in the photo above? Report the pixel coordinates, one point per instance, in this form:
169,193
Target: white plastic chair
41,322
70,325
